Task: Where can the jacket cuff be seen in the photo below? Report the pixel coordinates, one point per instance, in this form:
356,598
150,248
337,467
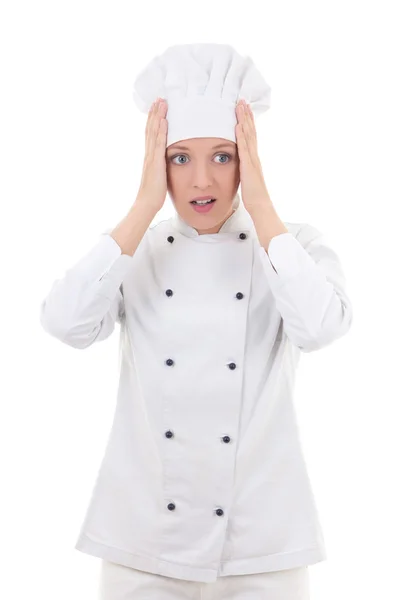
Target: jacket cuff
104,266
309,288
286,258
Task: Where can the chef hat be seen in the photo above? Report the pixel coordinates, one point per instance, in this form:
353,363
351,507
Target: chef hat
202,84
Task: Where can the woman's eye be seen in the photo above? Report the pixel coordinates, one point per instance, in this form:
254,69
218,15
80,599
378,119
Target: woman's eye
178,156
227,155
183,155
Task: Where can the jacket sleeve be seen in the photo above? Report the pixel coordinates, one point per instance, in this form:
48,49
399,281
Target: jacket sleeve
83,306
309,286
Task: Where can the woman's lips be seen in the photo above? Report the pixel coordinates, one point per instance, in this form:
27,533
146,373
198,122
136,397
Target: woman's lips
203,208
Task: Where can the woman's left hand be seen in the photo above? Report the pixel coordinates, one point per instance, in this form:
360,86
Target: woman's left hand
253,188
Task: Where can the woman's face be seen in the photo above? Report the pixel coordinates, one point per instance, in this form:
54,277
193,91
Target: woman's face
203,167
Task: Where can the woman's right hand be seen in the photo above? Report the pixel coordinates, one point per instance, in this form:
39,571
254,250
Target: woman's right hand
153,185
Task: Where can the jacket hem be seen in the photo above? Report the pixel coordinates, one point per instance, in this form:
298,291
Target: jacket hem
246,566
273,562
144,563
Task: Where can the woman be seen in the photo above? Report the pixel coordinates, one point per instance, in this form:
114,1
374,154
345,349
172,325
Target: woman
203,491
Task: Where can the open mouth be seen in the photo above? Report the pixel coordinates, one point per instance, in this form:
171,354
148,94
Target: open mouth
203,206
202,202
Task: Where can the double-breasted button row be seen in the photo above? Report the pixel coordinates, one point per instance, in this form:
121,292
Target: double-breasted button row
169,434
171,238
171,362
226,439
218,511
171,506
170,293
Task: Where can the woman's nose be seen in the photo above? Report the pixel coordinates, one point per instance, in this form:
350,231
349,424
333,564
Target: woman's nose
202,176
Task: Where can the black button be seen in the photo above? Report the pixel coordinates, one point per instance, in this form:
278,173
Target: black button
170,239
239,295
226,439
169,434
243,236
169,292
232,366
219,512
171,506
169,362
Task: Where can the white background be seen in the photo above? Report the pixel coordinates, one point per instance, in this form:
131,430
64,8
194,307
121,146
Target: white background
72,146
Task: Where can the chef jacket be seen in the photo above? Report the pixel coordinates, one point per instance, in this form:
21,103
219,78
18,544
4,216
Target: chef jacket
203,473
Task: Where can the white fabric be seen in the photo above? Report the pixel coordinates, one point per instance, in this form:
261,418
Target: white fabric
118,582
294,300
201,84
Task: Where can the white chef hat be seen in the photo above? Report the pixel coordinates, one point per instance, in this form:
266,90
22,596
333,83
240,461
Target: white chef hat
202,84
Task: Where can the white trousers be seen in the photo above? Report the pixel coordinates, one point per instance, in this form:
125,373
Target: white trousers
118,582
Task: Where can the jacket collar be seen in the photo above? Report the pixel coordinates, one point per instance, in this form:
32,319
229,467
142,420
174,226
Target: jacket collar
239,221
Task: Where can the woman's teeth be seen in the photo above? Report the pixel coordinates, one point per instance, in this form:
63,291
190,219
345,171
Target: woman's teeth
203,201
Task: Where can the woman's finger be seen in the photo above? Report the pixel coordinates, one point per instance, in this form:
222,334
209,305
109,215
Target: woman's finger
246,122
250,134
154,125
242,143
149,116
243,128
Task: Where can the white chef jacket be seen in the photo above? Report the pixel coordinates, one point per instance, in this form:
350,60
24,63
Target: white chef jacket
203,474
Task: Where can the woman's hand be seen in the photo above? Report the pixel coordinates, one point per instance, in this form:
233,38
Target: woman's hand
253,187
153,186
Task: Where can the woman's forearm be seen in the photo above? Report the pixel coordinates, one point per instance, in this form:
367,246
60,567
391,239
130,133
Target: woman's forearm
130,231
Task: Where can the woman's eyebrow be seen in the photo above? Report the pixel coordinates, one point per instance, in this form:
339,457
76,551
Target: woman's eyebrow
213,148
